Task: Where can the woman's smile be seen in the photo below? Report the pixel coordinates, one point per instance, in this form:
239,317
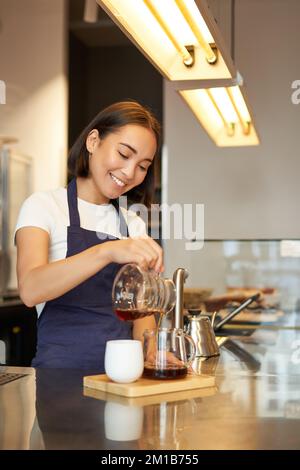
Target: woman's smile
117,181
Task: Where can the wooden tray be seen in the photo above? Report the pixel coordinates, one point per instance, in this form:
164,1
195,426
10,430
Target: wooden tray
143,387
150,399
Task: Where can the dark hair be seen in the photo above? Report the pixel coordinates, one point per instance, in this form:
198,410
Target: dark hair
106,122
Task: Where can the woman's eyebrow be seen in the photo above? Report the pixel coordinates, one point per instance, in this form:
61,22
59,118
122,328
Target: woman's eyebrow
129,146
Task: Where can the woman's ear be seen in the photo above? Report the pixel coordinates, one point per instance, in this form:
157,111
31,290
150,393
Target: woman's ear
92,141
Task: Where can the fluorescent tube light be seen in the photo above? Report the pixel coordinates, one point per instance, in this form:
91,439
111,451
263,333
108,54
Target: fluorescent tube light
179,37
224,114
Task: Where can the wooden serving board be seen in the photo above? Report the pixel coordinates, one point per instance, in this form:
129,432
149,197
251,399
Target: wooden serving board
143,387
150,399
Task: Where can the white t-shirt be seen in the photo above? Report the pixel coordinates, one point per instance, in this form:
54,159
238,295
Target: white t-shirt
49,211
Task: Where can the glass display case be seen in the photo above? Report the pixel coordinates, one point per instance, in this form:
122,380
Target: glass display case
272,266
15,186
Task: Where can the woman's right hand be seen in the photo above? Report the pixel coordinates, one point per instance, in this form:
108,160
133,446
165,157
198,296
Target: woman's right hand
143,251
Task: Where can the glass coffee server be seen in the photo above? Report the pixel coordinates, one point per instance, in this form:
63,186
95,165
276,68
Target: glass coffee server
138,293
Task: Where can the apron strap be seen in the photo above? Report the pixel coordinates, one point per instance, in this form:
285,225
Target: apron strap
72,203
74,213
123,227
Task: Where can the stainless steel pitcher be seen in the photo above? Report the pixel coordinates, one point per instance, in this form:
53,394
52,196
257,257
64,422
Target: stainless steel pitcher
202,330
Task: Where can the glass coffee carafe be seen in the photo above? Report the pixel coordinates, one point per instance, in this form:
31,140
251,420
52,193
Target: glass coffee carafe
168,353
138,293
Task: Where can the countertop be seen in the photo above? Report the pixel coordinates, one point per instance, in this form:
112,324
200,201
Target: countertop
255,404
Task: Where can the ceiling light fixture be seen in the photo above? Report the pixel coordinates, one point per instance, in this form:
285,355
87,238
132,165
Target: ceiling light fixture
180,37
224,114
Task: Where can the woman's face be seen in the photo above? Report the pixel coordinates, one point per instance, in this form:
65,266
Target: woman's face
120,161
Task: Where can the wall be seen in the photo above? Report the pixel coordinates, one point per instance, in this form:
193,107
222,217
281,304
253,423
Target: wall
33,45
100,76
248,192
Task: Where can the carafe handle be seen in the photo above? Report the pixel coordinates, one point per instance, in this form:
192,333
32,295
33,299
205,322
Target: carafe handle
193,348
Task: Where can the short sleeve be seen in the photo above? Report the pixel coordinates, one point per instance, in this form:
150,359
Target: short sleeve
35,212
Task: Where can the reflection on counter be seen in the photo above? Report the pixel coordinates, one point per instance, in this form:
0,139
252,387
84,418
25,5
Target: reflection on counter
155,421
245,358
165,425
123,422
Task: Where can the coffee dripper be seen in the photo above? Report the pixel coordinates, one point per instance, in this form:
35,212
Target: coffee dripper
138,293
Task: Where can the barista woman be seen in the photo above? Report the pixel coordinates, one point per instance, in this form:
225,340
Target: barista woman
72,241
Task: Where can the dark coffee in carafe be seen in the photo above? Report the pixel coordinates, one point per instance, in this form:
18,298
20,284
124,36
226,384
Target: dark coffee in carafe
168,373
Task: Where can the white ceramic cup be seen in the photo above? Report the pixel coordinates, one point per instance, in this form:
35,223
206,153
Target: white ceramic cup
123,422
124,360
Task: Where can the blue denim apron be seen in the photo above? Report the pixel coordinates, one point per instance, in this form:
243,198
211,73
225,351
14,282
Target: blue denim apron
74,328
